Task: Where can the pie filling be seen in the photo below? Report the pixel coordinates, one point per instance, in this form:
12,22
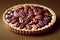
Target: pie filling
29,17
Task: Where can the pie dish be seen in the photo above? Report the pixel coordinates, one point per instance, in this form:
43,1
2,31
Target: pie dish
29,18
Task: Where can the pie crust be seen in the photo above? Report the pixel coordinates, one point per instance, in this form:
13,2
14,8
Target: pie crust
31,32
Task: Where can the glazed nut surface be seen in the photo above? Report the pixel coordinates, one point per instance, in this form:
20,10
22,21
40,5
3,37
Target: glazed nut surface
29,18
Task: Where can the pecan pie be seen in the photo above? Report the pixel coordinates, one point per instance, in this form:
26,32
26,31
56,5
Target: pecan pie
29,18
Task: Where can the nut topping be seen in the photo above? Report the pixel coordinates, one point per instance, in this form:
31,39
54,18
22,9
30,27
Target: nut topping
29,17
20,20
28,27
34,27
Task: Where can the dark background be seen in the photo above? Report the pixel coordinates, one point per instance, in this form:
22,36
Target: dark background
53,34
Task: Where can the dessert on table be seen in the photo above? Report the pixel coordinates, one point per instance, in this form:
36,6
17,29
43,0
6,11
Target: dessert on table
29,18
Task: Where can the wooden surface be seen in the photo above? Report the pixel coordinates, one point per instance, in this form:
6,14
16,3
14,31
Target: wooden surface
53,34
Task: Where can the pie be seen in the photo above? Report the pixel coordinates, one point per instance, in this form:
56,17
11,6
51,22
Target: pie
29,18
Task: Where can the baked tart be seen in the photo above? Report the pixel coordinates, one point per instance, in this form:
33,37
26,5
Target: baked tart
29,18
